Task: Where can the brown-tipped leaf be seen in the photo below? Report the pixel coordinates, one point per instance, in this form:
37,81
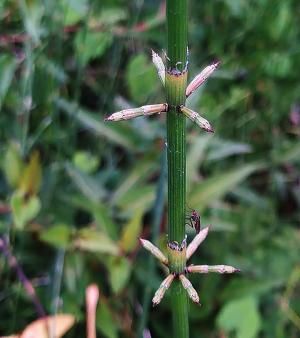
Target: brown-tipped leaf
189,288
154,250
160,292
201,78
198,119
212,268
160,66
198,239
128,114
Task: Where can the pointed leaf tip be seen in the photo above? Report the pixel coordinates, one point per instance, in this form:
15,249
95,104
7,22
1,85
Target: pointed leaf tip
210,129
127,114
201,78
154,251
187,285
197,118
159,65
198,239
160,292
211,268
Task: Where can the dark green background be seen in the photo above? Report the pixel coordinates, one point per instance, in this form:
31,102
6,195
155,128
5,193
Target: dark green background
66,65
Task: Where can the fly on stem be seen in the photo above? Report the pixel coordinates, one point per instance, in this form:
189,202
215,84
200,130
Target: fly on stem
194,220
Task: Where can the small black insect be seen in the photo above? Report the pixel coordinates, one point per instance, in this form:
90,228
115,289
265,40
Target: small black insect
194,220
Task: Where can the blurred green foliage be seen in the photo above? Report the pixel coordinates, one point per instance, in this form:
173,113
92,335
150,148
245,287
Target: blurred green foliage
76,193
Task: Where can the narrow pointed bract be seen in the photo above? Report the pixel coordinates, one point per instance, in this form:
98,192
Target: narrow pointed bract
198,239
189,288
212,268
160,66
128,114
201,78
154,250
198,119
160,292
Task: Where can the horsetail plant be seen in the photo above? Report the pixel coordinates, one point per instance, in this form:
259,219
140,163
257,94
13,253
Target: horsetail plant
188,252
174,78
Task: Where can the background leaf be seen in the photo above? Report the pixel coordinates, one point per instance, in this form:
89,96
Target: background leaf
119,272
131,232
8,66
141,78
241,316
215,187
95,241
58,235
24,210
90,45
105,322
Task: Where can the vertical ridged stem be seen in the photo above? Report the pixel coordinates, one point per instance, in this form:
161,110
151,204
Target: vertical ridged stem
176,144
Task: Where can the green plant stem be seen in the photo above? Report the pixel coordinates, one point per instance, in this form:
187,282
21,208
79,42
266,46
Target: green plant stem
176,144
